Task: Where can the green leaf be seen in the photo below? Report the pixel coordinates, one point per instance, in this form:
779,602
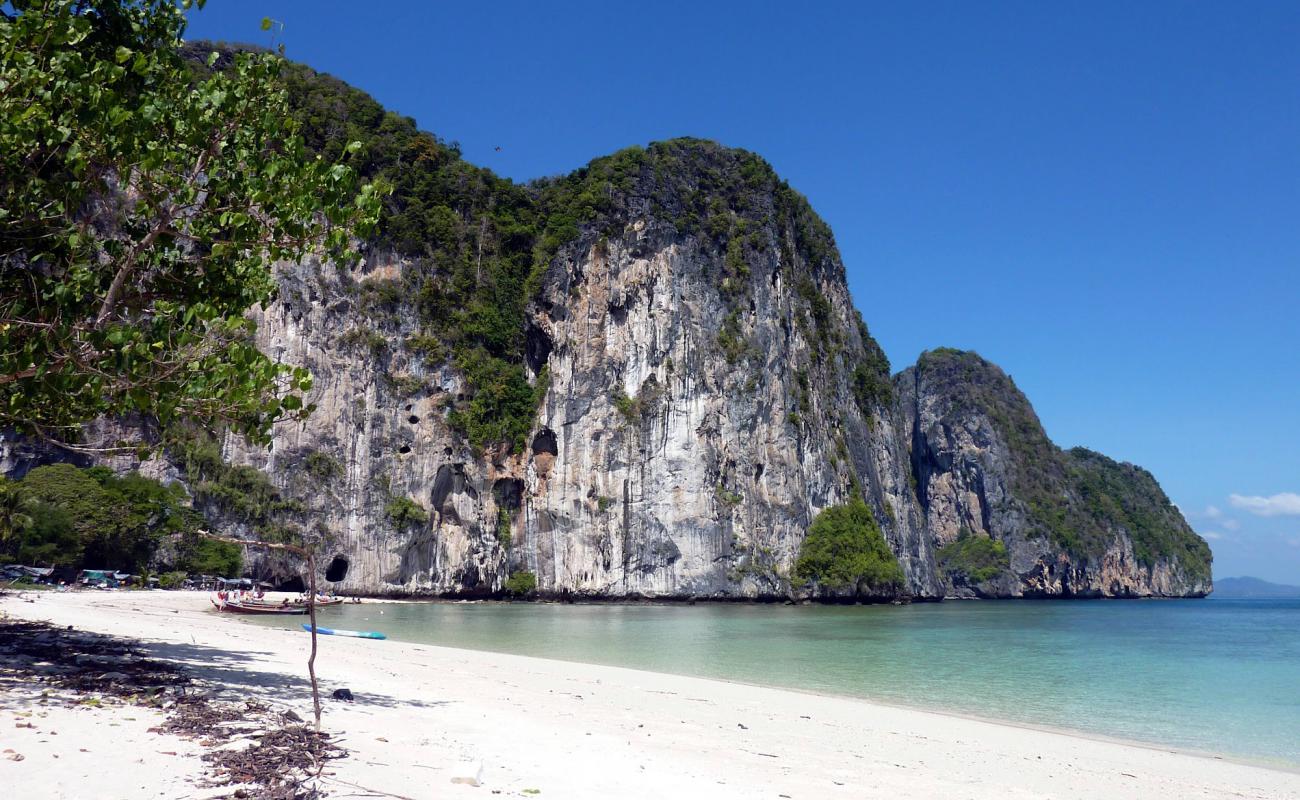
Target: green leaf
75,115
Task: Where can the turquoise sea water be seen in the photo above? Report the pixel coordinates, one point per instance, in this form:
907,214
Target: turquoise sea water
1221,676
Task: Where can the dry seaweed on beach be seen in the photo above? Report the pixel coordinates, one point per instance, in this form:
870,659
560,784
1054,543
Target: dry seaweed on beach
197,717
281,762
84,663
281,756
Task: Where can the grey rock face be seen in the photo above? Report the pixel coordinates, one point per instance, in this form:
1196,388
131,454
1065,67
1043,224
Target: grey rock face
702,484
706,487
698,413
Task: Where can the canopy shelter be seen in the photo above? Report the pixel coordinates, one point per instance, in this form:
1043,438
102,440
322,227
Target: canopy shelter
108,577
27,572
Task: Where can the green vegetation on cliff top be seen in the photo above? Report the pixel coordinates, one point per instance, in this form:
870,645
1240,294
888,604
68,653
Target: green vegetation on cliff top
1127,496
479,245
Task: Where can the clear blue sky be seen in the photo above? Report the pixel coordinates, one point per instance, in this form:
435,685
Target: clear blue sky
1103,198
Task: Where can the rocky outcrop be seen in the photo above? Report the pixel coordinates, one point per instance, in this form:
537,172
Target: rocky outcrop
703,387
1073,523
683,444
678,469
687,436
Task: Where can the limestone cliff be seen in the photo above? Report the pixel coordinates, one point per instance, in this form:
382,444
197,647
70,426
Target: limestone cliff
1068,523
696,413
699,402
643,380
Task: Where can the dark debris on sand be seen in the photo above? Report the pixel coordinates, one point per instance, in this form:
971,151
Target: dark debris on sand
278,763
264,754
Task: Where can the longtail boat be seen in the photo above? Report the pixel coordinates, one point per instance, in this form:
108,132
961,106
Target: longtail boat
321,602
247,607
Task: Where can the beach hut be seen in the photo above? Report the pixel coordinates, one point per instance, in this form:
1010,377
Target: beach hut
14,572
99,577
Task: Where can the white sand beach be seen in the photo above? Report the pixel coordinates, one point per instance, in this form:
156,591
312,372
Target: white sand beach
542,728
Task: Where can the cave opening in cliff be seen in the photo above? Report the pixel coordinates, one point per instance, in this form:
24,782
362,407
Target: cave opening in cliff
294,584
537,348
337,570
544,442
508,493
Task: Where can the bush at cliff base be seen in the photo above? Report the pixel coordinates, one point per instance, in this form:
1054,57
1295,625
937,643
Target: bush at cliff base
844,549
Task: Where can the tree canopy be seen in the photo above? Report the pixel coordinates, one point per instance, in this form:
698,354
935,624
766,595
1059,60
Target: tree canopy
15,510
844,549
94,518
142,207
63,515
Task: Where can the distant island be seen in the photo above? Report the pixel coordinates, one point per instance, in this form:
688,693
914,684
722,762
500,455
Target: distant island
1247,586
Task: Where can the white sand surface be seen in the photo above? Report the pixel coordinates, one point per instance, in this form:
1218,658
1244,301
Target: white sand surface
542,728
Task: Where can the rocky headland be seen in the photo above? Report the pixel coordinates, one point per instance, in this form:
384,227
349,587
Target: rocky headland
641,380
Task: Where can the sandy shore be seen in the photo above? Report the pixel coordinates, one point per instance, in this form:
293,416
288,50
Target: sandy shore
543,728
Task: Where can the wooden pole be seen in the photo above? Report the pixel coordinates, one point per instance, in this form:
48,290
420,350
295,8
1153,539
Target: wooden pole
311,660
310,555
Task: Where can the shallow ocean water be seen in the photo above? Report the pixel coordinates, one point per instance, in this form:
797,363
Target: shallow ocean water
1221,676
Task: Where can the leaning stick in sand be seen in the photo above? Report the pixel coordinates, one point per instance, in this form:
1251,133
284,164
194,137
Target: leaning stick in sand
310,555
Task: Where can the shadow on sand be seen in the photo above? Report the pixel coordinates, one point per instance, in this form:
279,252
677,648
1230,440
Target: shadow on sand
35,655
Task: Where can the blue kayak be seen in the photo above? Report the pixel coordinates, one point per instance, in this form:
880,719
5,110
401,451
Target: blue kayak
337,632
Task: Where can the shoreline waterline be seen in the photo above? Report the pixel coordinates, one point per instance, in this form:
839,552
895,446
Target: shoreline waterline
577,730
1281,766
1211,678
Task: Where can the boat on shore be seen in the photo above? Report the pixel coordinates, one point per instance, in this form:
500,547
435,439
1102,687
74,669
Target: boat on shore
320,602
252,607
253,603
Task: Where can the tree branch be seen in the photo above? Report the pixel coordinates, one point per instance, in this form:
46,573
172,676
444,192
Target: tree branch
114,295
289,548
